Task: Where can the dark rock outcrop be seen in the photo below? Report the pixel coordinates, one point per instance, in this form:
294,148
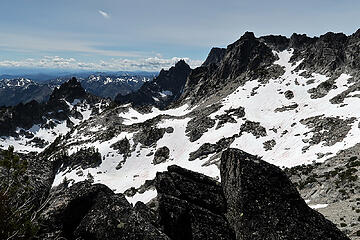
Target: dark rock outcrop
191,206
247,59
26,115
215,56
254,128
262,203
208,148
255,200
161,155
278,43
148,136
289,94
85,211
69,91
162,91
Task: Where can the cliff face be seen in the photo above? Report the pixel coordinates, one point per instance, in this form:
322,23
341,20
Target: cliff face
262,203
215,56
162,91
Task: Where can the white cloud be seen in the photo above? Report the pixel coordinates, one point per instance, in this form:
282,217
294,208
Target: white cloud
144,64
104,14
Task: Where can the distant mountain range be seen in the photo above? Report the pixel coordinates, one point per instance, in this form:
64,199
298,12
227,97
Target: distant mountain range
15,90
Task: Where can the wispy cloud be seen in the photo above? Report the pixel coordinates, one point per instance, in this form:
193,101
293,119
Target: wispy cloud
104,14
27,43
56,62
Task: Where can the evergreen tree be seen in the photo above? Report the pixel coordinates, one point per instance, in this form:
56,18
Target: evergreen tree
15,205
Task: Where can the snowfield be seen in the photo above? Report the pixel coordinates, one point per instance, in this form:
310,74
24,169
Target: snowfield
259,100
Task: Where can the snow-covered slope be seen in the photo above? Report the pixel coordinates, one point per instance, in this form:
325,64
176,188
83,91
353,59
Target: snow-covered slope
40,136
261,98
285,128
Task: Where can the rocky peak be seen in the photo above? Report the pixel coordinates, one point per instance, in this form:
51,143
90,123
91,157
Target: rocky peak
174,79
248,35
333,38
326,54
246,54
246,59
181,63
162,91
262,203
277,43
356,34
215,56
300,40
69,91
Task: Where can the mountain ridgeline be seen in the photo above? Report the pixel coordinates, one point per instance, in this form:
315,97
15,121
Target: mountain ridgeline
259,142
107,85
166,88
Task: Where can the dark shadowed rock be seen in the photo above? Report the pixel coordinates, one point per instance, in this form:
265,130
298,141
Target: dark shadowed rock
278,43
149,136
191,206
262,203
122,146
161,155
69,91
162,91
93,212
215,56
246,59
289,94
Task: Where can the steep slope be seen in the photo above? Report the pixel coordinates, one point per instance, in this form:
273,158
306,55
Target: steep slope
274,115
215,56
162,91
262,203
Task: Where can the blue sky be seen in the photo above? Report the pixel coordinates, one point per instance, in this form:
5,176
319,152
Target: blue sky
150,35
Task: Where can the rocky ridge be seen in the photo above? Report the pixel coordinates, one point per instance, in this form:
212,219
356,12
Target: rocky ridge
67,105
163,90
190,206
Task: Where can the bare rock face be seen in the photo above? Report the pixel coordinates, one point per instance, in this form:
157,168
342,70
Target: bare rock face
215,56
262,203
191,206
161,155
289,94
162,91
70,91
85,211
255,201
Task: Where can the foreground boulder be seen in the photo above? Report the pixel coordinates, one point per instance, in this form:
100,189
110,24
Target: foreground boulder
191,206
254,201
262,203
85,211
